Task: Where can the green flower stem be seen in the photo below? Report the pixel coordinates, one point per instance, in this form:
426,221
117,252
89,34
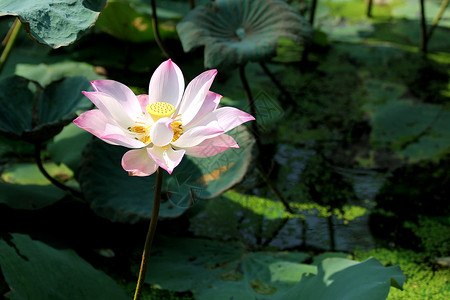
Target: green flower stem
331,232
38,159
156,29
150,234
277,83
251,103
274,189
191,4
437,18
312,12
423,28
11,38
369,8
275,233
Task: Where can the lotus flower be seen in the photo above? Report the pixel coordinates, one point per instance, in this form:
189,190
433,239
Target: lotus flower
164,125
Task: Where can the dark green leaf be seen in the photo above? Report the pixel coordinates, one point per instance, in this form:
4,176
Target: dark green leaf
339,278
54,22
34,114
235,32
20,196
119,197
121,20
414,130
60,100
16,103
23,186
67,147
217,270
34,270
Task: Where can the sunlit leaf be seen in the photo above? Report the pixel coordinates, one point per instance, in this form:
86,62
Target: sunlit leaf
34,270
28,173
47,73
339,278
54,22
235,32
217,270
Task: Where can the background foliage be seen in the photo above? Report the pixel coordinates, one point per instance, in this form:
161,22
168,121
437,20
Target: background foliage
353,136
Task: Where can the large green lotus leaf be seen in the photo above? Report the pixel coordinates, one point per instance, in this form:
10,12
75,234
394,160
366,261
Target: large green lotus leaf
29,197
399,122
259,275
112,193
410,9
183,264
434,145
23,186
235,32
34,270
415,131
54,22
16,103
121,20
217,270
119,197
14,148
36,114
339,278
67,147
380,92
60,100
220,172
28,173
47,73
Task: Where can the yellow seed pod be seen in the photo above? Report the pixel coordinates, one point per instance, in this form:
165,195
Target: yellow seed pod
158,110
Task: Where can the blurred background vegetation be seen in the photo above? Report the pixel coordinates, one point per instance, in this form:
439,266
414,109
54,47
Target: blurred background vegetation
356,142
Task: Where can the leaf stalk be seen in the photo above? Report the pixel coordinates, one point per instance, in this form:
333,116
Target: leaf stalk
10,39
156,29
38,159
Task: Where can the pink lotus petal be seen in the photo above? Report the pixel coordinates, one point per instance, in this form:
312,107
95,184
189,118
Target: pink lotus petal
211,102
213,146
161,133
166,84
123,140
118,136
138,163
123,94
111,108
230,117
143,102
195,94
198,134
93,121
166,157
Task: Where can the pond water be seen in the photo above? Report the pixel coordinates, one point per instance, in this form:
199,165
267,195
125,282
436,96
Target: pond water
349,233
